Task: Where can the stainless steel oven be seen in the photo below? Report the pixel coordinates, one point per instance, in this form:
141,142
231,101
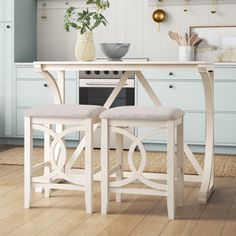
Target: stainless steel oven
95,88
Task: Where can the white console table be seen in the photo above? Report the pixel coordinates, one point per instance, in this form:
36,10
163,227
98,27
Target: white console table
205,175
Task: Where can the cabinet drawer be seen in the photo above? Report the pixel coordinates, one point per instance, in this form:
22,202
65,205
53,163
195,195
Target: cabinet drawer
6,10
33,93
170,73
36,134
29,73
226,73
225,129
186,95
225,96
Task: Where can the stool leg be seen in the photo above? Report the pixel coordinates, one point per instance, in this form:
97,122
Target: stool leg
88,167
119,161
47,142
171,170
28,155
180,163
104,166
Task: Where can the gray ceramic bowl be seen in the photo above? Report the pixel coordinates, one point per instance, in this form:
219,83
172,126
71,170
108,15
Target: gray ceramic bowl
115,51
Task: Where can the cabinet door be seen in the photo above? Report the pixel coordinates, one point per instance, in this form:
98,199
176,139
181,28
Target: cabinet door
186,95
194,130
2,84
5,75
6,10
34,93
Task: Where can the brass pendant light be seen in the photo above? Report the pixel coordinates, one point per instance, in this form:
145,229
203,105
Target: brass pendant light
158,16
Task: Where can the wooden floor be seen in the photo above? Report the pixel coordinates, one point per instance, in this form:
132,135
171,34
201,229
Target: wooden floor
64,214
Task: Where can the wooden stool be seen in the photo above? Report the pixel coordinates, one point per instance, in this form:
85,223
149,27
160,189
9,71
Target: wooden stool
164,120
56,165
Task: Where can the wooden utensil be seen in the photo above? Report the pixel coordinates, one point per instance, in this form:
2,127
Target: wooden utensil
193,38
197,41
181,40
177,38
174,36
187,39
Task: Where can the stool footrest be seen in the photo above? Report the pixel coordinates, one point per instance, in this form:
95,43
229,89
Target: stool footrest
114,169
40,166
59,186
141,191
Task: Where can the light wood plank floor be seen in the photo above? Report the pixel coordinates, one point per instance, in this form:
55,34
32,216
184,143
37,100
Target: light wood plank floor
64,213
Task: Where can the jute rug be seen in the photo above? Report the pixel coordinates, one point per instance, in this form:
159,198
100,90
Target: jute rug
225,165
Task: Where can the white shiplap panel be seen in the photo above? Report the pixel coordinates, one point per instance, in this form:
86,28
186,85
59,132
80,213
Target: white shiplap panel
51,36
121,19
108,34
71,38
225,15
138,13
169,47
43,38
129,26
196,15
58,35
129,21
152,38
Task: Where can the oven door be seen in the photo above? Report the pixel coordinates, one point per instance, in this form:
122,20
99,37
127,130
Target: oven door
96,92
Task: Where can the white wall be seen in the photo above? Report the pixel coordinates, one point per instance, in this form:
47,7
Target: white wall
129,21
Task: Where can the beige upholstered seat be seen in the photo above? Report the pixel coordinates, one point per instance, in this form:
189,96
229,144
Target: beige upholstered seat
143,113
56,122
158,120
65,111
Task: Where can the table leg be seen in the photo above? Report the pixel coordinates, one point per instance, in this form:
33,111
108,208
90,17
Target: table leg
207,185
205,175
58,91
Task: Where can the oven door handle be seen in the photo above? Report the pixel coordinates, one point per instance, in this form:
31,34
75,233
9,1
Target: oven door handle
103,83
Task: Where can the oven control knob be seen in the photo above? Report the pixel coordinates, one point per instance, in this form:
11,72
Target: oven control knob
106,72
123,71
115,72
97,72
87,72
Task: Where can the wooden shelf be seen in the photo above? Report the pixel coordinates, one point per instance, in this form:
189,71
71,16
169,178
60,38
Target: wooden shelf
190,2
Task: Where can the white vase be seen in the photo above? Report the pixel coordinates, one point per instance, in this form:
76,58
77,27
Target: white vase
186,53
85,48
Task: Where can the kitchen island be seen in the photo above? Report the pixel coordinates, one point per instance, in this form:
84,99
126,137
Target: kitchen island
205,175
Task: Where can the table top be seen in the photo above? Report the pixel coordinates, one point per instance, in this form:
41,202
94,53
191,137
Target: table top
115,65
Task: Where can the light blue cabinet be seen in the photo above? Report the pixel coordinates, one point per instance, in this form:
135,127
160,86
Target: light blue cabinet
2,82
17,43
32,90
6,59
186,92
6,13
25,25
225,105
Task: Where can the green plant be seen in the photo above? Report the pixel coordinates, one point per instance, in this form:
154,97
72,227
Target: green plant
85,20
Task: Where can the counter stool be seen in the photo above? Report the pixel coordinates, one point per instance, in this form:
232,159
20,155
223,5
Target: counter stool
58,172
165,120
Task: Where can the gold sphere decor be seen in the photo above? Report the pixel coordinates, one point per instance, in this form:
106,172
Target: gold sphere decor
159,16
